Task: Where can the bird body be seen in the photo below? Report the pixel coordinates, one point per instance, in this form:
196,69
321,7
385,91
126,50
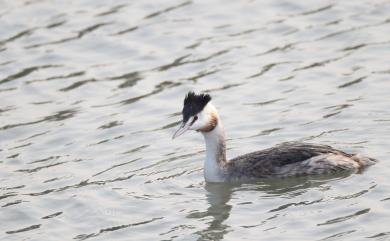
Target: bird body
284,160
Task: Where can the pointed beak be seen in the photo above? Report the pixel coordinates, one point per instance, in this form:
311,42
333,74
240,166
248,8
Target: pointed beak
183,128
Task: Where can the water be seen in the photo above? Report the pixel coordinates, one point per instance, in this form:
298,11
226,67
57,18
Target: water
91,92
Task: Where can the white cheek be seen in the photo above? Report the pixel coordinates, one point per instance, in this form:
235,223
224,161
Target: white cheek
197,125
200,122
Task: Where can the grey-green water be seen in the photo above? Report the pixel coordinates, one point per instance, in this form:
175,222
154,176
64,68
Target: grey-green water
91,92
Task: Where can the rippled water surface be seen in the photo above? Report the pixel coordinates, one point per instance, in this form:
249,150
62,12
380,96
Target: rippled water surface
91,92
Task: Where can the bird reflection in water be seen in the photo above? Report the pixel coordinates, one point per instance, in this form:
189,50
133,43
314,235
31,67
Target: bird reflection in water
218,196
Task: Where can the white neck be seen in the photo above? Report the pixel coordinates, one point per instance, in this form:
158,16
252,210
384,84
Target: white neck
215,154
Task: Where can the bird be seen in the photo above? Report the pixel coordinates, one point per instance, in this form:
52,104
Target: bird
287,159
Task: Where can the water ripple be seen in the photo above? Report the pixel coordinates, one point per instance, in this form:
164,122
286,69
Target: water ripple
114,228
353,82
24,229
26,72
155,14
345,218
79,35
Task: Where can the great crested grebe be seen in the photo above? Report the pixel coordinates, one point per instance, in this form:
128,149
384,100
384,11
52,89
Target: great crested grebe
283,160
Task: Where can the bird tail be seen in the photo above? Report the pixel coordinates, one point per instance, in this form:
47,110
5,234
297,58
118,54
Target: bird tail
363,160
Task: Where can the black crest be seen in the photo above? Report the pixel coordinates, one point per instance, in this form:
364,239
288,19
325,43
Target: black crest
193,104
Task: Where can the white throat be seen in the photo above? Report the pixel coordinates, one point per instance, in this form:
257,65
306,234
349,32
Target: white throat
215,154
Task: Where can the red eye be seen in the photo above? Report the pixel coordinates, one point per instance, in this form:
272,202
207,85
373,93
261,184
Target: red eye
195,118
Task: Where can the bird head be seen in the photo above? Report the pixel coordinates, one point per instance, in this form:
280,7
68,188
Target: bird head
198,114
